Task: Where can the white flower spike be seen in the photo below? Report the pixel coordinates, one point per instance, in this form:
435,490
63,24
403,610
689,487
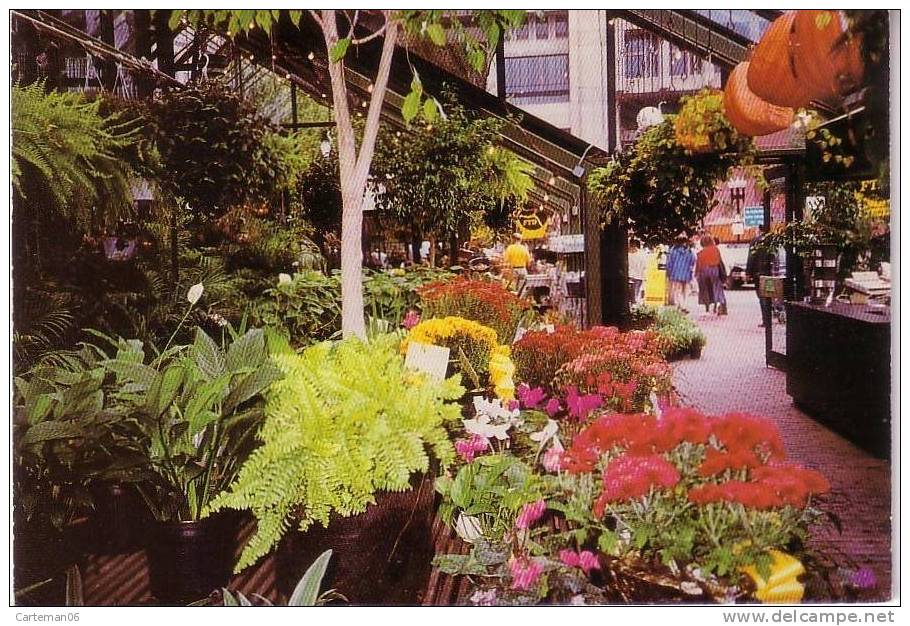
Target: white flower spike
194,293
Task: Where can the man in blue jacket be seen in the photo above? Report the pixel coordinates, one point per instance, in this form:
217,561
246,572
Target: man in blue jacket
680,262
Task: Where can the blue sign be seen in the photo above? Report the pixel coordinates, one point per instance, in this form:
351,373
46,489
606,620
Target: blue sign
753,216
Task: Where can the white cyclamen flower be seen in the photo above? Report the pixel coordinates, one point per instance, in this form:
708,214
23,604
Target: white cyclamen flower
194,293
481,425
548,432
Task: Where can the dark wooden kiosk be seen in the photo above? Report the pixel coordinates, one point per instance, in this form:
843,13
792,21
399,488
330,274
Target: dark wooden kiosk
839,370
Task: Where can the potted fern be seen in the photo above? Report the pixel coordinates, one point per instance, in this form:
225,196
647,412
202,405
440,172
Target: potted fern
347,433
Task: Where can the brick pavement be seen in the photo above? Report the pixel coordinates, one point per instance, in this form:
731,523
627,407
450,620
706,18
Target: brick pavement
731,376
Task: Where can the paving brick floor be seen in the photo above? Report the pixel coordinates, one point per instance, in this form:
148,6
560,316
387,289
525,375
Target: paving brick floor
731,376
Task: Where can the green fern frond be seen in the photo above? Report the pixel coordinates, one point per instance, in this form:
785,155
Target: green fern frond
346,421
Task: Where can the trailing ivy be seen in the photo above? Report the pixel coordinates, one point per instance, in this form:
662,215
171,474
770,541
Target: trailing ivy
660,187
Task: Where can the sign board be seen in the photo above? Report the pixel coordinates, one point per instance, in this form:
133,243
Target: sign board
531,224
753,216
432,360
737,228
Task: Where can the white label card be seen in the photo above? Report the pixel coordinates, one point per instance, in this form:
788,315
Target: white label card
432,360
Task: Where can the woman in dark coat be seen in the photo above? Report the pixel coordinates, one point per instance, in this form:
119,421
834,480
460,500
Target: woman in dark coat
708,272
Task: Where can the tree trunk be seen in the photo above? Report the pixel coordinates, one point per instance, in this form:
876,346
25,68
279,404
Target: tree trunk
354,168
432,240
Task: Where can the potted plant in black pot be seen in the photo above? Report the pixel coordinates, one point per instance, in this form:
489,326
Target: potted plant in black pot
68,465
348,439
192,411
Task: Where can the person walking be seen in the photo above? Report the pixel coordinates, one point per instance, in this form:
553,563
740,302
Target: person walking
709,272
638,262
680,261
760,263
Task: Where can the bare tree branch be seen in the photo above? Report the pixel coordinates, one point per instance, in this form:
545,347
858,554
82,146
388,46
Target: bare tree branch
371,36
318,19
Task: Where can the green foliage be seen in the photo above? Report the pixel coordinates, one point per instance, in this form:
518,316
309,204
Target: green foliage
346,421
306,592
679,335
191,412
440,178
307,309
659,188
492,489
67,156
218,152
842,222
701,125
64,436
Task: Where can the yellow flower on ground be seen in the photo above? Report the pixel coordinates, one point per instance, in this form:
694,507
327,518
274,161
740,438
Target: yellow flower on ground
782,586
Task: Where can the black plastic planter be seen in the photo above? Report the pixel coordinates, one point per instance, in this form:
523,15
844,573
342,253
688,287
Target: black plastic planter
380,557
121,520
188,560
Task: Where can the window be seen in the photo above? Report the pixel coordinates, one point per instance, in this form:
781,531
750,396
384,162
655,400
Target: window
542,30
641,54
560,23
538,79
683,63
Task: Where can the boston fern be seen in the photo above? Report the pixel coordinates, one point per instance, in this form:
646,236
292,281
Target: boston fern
347,420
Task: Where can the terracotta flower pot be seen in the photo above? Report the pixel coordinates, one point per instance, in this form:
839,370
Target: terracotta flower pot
827,60
748,113
771,74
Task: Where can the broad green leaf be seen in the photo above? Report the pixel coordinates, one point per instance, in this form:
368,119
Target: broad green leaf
129,371
196,413
307,590
38,408
164,389
208,356
51,430
429,109
410,106
339,50
252,384
247,351
437,34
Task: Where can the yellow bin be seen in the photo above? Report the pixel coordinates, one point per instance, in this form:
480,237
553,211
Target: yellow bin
655,281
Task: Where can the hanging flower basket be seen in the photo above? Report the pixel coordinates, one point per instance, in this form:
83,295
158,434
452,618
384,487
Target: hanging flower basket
702,126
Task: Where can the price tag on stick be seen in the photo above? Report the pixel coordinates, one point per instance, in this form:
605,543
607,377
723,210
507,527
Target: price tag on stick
432,360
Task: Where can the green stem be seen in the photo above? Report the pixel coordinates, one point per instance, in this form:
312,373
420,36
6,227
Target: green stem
176,330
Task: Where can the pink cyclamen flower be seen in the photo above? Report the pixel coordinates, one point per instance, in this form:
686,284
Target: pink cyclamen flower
552,458
468,448
525,573
529,514
513,404
586,560
411,319
581,405
553,407
530,398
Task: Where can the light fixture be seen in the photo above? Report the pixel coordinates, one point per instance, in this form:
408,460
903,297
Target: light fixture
274,57
364,104
252,25
370,88
311,56
546,197
552,181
